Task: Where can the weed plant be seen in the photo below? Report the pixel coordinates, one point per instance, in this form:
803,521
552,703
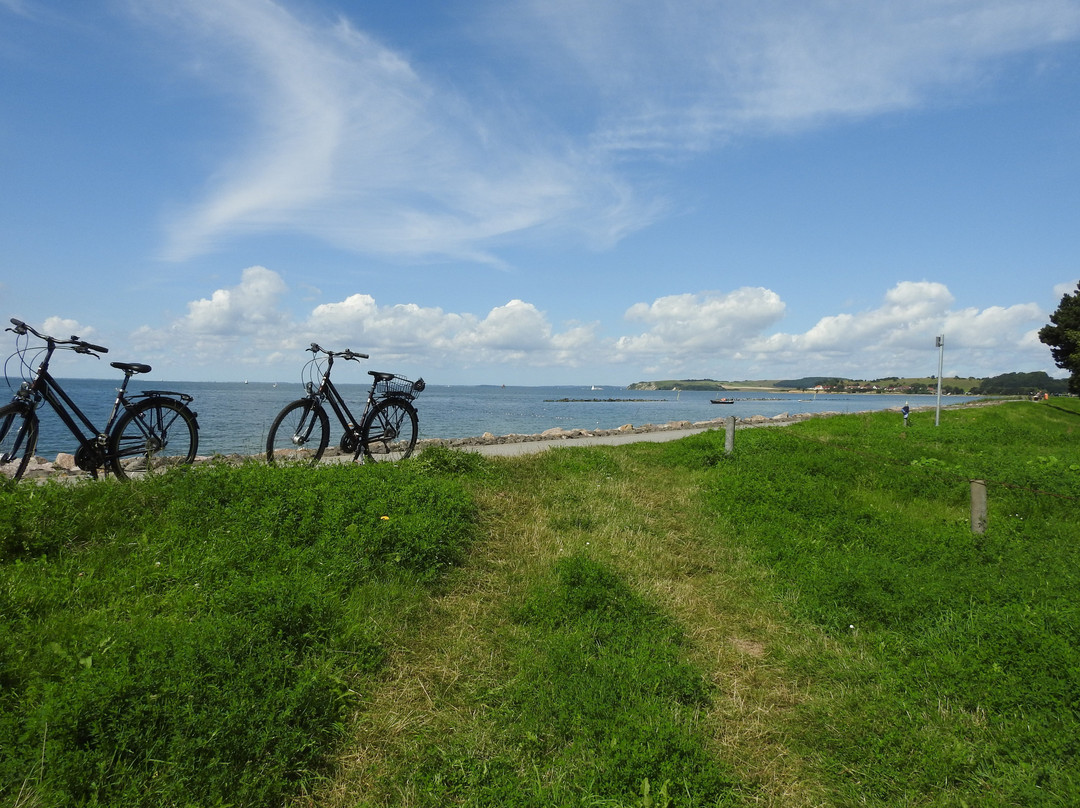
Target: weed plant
198,638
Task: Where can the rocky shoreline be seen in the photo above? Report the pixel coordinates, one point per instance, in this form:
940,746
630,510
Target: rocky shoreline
64,465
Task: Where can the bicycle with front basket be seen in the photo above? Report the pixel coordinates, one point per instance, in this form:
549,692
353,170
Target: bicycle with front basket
386,430
145,432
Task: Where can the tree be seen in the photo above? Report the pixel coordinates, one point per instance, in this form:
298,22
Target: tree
1063,337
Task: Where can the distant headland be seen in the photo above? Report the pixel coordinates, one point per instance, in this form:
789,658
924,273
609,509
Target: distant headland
1007,384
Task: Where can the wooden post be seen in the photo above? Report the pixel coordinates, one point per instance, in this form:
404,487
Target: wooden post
978,506
729,438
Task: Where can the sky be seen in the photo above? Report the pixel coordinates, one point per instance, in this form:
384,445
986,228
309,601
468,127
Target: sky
542,191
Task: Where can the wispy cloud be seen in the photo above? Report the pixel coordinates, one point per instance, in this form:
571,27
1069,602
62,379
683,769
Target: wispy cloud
375,151
347,142
688,74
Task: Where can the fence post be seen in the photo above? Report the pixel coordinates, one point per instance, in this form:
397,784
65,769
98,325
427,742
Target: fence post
729,438
978,506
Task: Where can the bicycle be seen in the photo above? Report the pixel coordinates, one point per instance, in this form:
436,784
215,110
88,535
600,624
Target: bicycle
386,430
145,432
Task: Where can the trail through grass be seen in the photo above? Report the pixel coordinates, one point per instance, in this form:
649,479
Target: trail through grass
600,647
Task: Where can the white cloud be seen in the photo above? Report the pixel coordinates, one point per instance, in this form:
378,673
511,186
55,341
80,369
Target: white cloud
1062,289
248,308
353,143
687,75
63,327
348,143
723,334
682,325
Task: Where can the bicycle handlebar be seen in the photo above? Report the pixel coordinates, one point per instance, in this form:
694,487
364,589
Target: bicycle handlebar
346,354
74,343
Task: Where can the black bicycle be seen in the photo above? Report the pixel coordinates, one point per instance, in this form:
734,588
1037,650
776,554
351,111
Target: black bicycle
145,432
386,430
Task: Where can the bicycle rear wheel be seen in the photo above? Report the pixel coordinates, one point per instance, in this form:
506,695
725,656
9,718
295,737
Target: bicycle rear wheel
18,438
155,434
301,431
389,431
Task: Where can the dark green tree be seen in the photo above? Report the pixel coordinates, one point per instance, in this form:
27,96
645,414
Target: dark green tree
1063,337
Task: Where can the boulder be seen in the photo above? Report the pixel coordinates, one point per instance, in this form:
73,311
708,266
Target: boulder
65,461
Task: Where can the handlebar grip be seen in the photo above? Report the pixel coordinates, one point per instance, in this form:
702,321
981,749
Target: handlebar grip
20,326
97,348
315,347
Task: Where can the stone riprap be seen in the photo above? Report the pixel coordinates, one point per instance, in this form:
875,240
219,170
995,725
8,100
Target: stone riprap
64,464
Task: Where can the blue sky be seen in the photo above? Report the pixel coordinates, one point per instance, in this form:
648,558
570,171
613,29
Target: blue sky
542,191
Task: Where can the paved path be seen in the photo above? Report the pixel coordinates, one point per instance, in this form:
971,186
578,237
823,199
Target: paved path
534,446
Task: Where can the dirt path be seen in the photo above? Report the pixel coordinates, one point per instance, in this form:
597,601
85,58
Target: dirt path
621,507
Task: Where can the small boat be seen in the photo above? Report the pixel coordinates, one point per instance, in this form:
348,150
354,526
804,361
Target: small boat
722,400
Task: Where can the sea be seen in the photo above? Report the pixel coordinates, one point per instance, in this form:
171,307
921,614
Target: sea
234,417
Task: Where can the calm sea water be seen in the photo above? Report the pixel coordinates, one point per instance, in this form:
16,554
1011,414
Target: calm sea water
234,417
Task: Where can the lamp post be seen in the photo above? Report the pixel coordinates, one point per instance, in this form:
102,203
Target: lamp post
940,363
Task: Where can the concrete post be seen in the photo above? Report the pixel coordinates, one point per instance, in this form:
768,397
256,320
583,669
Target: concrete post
978,506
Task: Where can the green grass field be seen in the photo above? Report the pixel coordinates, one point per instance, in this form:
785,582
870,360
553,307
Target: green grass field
807,621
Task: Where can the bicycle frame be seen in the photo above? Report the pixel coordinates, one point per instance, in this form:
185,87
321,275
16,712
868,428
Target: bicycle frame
43,387
326,391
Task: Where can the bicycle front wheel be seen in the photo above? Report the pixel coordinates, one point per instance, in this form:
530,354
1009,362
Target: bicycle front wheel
389,431
18,438
301,431
155,434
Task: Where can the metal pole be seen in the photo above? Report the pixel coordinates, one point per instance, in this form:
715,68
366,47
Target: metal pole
940,364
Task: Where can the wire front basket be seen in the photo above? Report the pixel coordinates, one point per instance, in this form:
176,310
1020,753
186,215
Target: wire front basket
399,386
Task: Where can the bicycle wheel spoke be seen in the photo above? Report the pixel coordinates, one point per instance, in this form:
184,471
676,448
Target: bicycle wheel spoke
155,435
18,439
390,431
300,432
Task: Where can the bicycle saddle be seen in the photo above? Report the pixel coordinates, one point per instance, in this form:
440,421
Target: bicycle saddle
380,376
131,367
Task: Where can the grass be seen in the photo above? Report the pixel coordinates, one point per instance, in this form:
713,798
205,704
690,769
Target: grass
807,621
198,638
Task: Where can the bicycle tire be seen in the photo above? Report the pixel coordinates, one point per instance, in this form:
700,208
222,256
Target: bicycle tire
389,432
293,430
154,435
18,438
